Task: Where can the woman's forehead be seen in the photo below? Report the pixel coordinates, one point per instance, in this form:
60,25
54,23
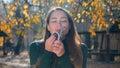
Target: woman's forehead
58,13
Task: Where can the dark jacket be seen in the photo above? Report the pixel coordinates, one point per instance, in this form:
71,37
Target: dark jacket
48,59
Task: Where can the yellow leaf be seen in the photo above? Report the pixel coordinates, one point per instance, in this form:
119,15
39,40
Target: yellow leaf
75,19
82,20
98,21
36,19
8,30
93,33
111,13
90,30
119,26
92,47
78,21
70,1
94,17
84,4
113,21
1,41
18,32
8,6
61,1
93,3
110,19
20,20
23,34
93,27
14,8
100,27
1,28
11,13
16,23
79,15
38,4
106,25
27,25
3,22
34,1
4,27
70,13
96,7
90,8
10,24
88,13
16,3
25,6
116,1
25,13
83,12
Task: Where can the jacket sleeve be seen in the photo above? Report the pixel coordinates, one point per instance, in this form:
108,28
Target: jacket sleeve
34,53
64,62
46,60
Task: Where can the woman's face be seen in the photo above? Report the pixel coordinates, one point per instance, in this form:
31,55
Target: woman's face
58,20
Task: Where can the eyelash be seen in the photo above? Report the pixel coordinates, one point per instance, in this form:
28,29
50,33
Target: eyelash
60,21
53,21
64,21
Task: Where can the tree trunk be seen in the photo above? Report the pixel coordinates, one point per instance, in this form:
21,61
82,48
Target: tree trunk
19,44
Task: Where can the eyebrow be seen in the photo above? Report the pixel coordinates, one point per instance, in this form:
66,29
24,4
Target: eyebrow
56,18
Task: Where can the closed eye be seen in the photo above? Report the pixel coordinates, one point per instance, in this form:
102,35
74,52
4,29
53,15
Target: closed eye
64,21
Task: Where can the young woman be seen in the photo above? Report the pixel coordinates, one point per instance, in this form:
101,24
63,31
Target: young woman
61,46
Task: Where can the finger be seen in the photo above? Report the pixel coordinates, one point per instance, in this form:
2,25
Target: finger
55,50
55,35
58,51
57,42
59,47
52,39
55,47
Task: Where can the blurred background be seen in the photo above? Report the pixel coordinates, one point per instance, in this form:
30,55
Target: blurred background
23,21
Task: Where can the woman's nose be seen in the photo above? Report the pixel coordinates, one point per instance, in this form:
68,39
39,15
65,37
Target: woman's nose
58,26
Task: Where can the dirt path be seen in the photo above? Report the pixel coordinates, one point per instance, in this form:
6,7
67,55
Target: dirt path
22,61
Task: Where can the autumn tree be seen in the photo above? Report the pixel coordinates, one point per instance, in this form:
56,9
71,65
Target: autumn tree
17,19
19,16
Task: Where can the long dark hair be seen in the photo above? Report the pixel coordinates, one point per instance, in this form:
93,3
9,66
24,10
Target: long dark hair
72,39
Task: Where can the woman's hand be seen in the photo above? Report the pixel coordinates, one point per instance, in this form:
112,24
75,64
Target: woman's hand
58,48
49,43
55,46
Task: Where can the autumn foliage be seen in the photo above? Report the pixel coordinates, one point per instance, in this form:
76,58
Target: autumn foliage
22,14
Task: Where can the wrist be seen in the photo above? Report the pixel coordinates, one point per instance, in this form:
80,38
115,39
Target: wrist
47,53
60,55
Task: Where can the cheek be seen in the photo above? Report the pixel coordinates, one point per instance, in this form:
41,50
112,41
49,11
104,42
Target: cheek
51,28
66,29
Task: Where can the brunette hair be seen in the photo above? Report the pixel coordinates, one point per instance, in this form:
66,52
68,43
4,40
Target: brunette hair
72,39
